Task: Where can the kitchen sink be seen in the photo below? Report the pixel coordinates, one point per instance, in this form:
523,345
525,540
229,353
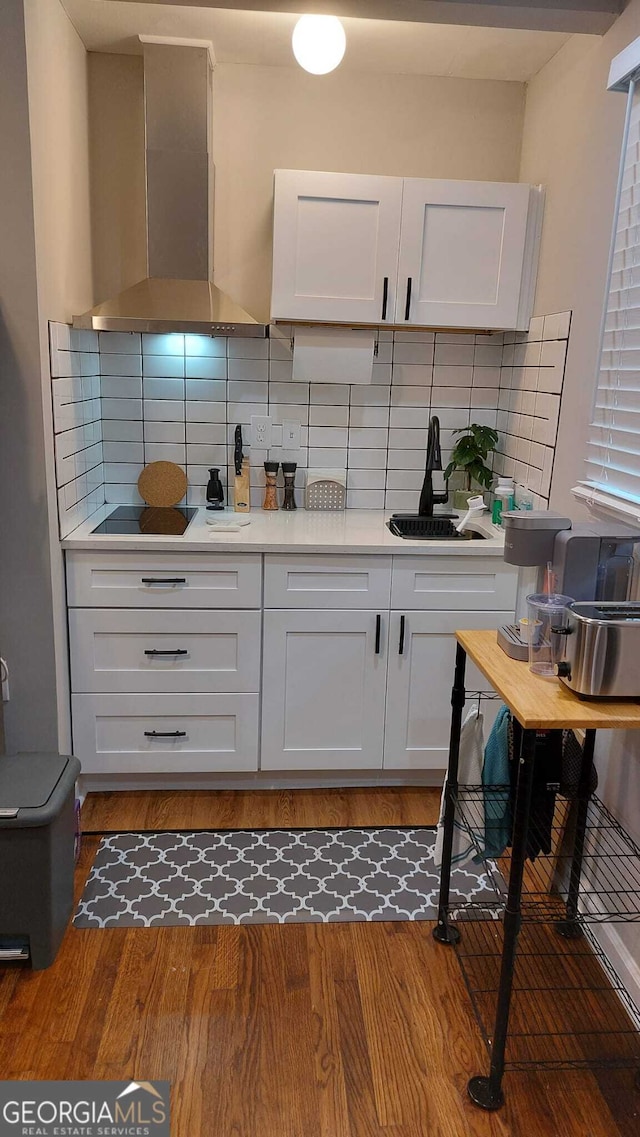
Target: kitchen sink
415,528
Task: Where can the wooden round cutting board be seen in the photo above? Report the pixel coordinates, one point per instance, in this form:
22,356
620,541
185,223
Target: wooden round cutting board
162,483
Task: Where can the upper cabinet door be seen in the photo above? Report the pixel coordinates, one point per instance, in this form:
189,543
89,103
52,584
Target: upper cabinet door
464,251
335,247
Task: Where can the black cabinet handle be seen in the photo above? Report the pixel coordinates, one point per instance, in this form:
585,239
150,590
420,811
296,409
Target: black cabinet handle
378,631
167,651
407,306
165,734
164,580
385,296
401,640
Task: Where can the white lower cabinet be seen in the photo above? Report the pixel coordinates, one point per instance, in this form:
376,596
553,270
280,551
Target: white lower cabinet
418,710
323,690
157,734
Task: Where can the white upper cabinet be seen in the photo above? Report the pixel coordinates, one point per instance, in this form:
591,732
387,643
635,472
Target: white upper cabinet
463,248
353,248
336,239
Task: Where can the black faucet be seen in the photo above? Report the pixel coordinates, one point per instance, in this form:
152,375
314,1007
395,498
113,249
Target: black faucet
434,462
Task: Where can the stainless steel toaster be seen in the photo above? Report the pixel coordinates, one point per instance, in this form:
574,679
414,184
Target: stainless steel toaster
601,655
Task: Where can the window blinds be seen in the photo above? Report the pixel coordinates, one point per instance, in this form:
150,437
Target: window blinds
613,454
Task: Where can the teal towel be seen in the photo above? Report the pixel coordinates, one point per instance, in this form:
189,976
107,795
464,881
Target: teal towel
495,773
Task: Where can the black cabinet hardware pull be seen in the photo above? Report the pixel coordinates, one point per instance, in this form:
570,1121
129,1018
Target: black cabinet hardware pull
378,630
401,641
164,580
165,734
166,651
407,306
385,296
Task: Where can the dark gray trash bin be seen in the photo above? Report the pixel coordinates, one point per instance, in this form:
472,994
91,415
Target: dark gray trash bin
37,831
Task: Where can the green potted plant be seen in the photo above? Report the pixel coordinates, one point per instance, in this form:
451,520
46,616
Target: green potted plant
469,455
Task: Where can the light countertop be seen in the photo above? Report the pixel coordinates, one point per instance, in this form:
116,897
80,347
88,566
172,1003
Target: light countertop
348,531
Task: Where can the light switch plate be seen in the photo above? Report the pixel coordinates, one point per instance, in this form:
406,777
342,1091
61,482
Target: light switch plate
290,435
261,432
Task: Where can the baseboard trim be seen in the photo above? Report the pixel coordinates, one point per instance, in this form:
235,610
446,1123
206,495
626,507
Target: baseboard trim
262,780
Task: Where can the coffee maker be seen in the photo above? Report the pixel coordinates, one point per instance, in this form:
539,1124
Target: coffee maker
590,560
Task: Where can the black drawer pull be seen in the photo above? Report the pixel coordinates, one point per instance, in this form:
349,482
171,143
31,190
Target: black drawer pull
166,651
385,296
165,734
378,630
407,307
401,641
165,580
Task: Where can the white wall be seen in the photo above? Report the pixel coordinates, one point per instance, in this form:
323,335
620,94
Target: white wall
572,141
280,117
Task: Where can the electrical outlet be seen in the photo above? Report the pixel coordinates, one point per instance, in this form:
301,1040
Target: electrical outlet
290,435
261,432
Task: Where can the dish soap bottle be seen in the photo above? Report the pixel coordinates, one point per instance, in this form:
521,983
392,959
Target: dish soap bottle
215,492
504,499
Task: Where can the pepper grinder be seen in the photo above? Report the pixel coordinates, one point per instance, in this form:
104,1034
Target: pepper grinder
215,492
270,494
289,471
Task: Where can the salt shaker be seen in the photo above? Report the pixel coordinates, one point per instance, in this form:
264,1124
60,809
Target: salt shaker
289,471
270,494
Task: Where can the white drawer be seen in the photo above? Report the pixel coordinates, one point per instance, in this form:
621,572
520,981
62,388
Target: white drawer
114,733
340,581
453,583
163,580
129,650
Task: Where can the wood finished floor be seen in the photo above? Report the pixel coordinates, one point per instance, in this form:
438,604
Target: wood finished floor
355,1030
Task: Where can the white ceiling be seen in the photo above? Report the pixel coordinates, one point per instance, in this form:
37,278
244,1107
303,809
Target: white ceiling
372,45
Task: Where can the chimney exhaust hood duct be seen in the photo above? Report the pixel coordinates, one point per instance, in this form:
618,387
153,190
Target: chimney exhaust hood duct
177,295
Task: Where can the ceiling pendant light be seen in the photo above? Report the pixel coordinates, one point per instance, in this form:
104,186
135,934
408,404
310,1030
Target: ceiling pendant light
318,43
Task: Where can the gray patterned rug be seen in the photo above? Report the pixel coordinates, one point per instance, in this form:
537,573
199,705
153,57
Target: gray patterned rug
270,876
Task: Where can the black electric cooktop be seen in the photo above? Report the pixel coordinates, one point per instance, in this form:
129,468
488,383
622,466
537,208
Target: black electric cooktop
147,519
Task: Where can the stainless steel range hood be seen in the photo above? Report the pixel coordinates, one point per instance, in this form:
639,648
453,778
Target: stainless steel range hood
177,295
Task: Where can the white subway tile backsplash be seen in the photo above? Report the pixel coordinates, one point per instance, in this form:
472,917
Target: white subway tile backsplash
368,437
296,412
381,373
171,343
202,454
448,376
163,388
164,452
119,343
328,394
121,386
413,352
121,365
366,479
238,392
242,412
405,479
205,345
209,390
281,371
410,396
334,436
289,392
407,459
212,434
400,437
362,396
325,416
123,452
461,355
366,459
334,457
410,416
163,366
365,499
122,408
248,370
164,432
121,430
205,367
366,416
415,375
247,347
206,411
163,410
450,396
122,471
401,500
